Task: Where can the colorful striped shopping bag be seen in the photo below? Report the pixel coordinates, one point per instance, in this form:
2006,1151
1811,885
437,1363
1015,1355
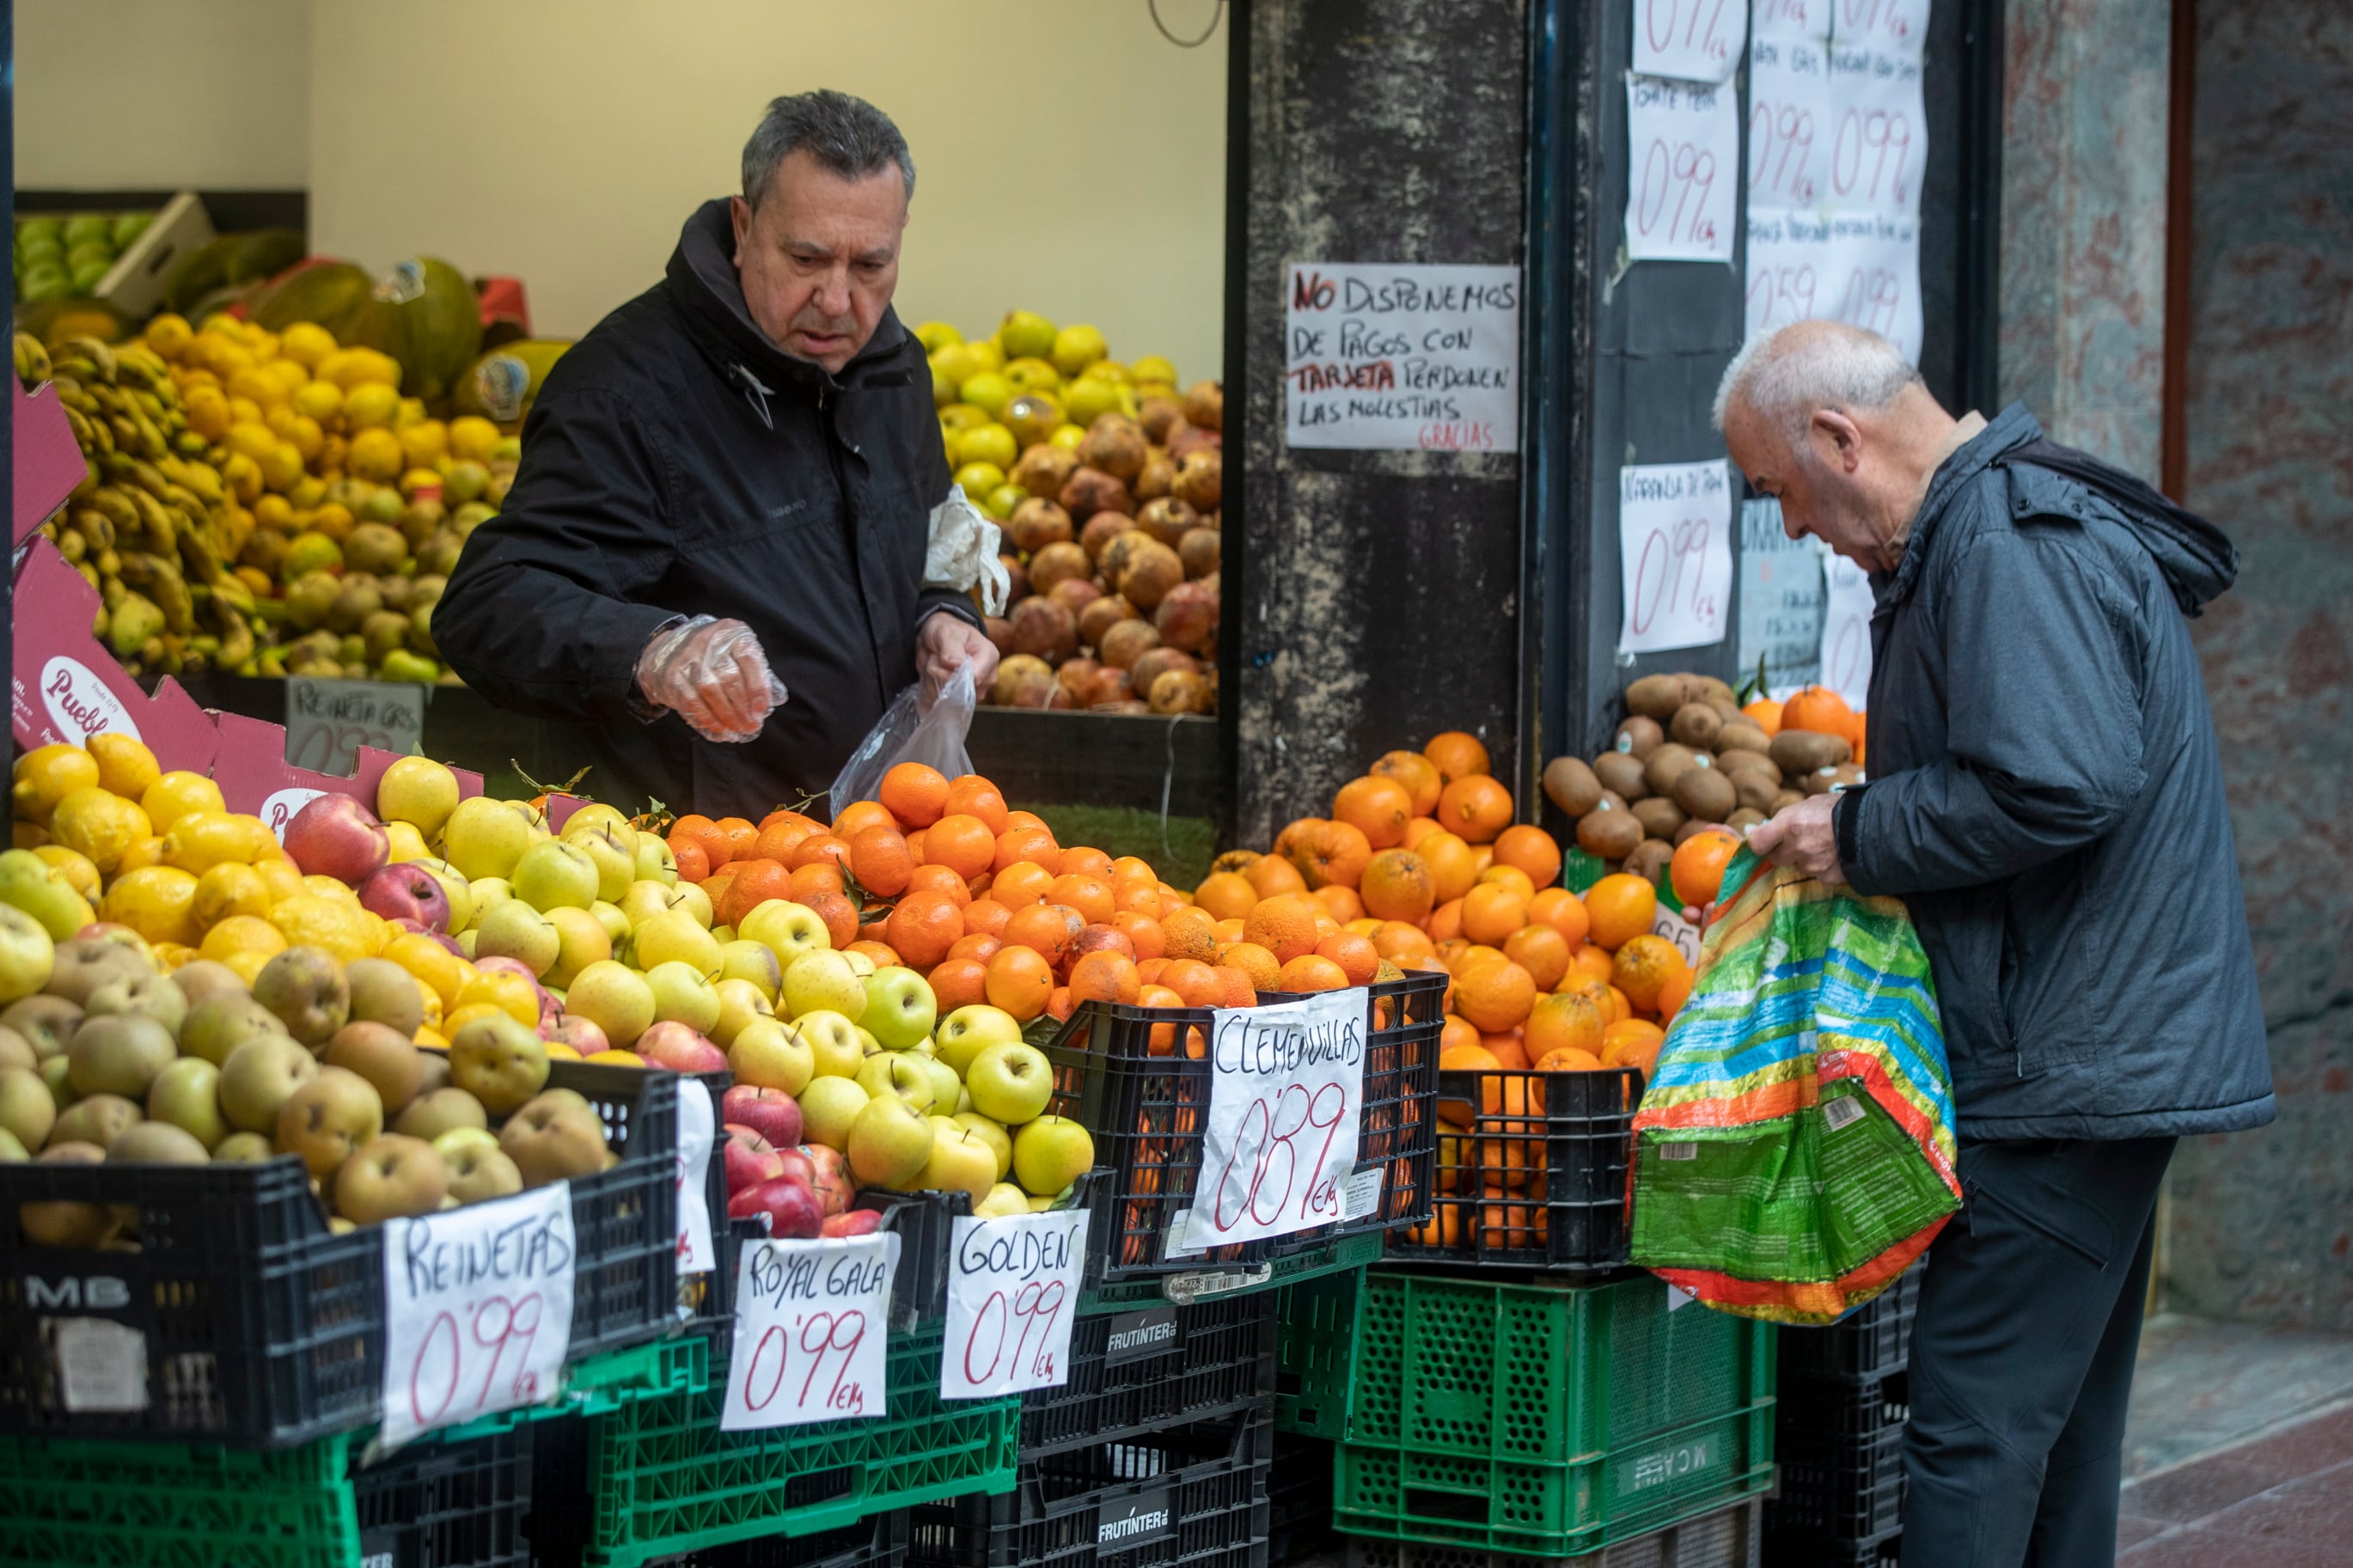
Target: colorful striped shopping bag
1794,1149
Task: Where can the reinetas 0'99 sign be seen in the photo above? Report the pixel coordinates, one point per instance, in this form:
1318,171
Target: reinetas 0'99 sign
1286,1094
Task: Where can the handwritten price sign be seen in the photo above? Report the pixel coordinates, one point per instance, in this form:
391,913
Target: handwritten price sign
1900,26
697,1120
1013,1289
1698,40
1675,540
1286,1093
1793,19
1683,170
477,1309
1876,133
1847,608
810,1322
1789,87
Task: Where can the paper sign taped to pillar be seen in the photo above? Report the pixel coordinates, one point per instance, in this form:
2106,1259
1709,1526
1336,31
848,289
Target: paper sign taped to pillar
1876,132
1847,603
1379,356
1683,169
1851,267
1696,40
1674,543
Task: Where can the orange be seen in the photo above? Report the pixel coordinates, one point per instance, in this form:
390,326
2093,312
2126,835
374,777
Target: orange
1261,966
1452,865
982,946
973,795
694,861
1329,852
1621,907
855,818
1058,1007
939,880
1606,999
1455,1033
915,794
1462,955
986,917
1476,807
1022,884
1421,827
1532,850
1129,868
840,918
1821,709
1673,994
1633,1042
1015,845
1456,755
1483,856
1226,894
1563,911
1541,950
816,878
1047,930
1569,1058
1227,933
714,886
1343,904
1285,927
1140,897
1091,896
1768,714
1446,921
1143,932
701,831
1024,819
1510,877
779,836
1082,860
1512,1054
1643,965
1311,972
814,849
1355,955
1495,996
958,983
878,859
1191,933
738,834
1561,1021
1697,869
963,844
755,882
1396,886
1104,977
1416,773
1376,806
1271,875
1148,972
1196,983
1021,981
1397,942
1241,991
1490,912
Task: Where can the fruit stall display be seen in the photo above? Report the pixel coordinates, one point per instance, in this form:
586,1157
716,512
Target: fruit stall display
62,256
1108,482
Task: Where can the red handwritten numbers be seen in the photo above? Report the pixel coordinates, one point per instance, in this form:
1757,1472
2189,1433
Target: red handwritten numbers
456,1360
1027,1318
1013,1289
1670,578
824,1339
1674,524
1869,160
1265,1155
1286,1098
811,1318
1874,299
1900,25
1675,183
1696,39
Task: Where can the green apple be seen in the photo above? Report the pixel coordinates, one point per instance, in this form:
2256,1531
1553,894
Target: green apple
187,1095
119,1053
1050,1153
484,837
454,888
868,1046
767,1054
740,1005
441,1111
1011,1083
27,956
861,965
684,995
518,930
971,1029
673,936
822,981
959,1163
417,791
614,998
945,1084
696,902
553,874
832,1040
641,901
655,861
991,1134
498,1061
609,916
41,890
828,1107
891,1073
482,895
786,928
26,1107
581,940
1004,1198
390,1177
612,847
889,1142
900,1007
741,960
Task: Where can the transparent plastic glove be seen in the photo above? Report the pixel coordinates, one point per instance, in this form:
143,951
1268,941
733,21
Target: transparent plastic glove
713,674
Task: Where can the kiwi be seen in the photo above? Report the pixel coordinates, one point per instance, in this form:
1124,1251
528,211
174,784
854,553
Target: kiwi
1608,834
1569,785
1820,781
1754,789
1690,827
1743,734
1620,772
1708,794
1740,761
1696,725
1639,737
1612,801
1658,696
1658,817
1744,819
1649,859
1784,800
1708,689
1803,751
1667,764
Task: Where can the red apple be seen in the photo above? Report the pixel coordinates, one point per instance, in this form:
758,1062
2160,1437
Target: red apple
856,1222
792,1209
337,837
798,1166
832,1181
772,1113
671,1043
583,1034
751,1159
406,892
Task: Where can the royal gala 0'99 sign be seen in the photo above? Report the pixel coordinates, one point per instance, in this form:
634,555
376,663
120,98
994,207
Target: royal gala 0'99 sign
1402,357
1286,1094
811,1318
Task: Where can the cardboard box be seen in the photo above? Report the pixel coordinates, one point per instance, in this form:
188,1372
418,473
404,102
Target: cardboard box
68,686
255,776
49,462
134,284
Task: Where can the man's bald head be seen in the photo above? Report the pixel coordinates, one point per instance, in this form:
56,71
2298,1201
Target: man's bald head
1836,424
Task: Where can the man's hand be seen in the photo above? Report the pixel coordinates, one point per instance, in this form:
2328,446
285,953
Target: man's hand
1801,836
713,674
945,641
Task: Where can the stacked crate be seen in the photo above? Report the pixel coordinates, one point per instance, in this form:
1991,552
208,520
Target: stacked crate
1844,1400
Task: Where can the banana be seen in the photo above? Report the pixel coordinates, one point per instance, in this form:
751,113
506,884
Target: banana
133,624
161,537
94,526
100,356
160,582
31,360
116,508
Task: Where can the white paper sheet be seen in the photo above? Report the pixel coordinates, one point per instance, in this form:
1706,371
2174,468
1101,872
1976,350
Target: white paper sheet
1875,131
697,1131
1899,26
1780,601
1013,1290
1286,1097
1696,40
1683,170
1855,268
1789,144
1674,539
1846,630
1791,19
1402,357
810,1321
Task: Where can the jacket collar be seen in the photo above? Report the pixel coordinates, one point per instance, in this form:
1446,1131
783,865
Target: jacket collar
2012,428
710,298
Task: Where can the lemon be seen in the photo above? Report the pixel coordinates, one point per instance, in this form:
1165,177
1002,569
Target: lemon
425,442
472,439
281,877
320,400
201,840
171,955
258,385
509,992
147,851
99,825
290,377
169,334
229,891
242,934
375,454
80,875
305,436
345,929
1153,367
432,1039
282,466
174,794
327,888
256,440
557,1051
157,901
375,368
207,410
275,513
991,443
461,1016
307,343
431,1006
434,967
47,775
369,405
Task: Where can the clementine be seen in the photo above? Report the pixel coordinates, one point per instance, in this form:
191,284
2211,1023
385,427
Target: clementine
1490,912
1532,850
1033,846
1563,911
1641,967
917,796
1355,955
958,983
1416,773
1398,941
1261,966
1495,996
1285,927
1456,755
1375,805
1621,907
1453,868
1561,1021
878,859
1541,950
1446,923
1226,894
1343,904
973,795
1022,884
986,917
1324,853
1271,875
1396,886
962,843
1475,806
1697,869
1021,981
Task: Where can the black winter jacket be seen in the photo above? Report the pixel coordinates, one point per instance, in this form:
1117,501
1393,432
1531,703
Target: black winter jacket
2047,798
677,462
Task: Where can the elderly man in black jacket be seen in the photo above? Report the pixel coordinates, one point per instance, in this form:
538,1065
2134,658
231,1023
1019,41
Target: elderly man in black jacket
2046,797
712,561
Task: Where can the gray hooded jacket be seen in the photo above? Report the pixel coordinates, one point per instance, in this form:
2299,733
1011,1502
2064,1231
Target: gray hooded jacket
2047,798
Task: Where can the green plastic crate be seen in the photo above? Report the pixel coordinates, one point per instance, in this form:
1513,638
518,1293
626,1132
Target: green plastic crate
1348,1252
1314,1353
1545,1421
664,1479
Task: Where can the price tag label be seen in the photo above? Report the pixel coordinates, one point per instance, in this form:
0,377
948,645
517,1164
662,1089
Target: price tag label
1675,542
1683,932
1696,39
810,1322
1683,168
1286,1092
1013,1289
477,1309
697,1121
1874,129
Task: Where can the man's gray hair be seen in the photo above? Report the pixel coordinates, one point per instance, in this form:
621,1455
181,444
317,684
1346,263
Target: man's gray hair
848,136
1785,375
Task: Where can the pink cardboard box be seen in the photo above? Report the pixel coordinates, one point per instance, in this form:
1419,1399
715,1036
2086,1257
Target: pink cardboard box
255,776
47,462
68,686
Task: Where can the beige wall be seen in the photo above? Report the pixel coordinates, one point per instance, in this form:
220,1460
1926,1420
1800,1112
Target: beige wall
163,94
1070,160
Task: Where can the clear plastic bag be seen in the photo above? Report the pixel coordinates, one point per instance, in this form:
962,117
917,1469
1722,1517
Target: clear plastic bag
911,732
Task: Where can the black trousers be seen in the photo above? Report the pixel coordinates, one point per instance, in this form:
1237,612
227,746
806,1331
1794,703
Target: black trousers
2022,1355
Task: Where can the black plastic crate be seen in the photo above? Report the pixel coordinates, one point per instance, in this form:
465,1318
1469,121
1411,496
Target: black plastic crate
701,1296
265,1329
1863,1346
876,1543
925,1222
455,1505
1840,1446
1299,1499
1133,1372
1146,1105
1531,1170
1727,1538
1194,1494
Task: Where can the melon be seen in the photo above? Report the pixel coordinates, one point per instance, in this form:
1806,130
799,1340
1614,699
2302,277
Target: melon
500,386
340,297
440,320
